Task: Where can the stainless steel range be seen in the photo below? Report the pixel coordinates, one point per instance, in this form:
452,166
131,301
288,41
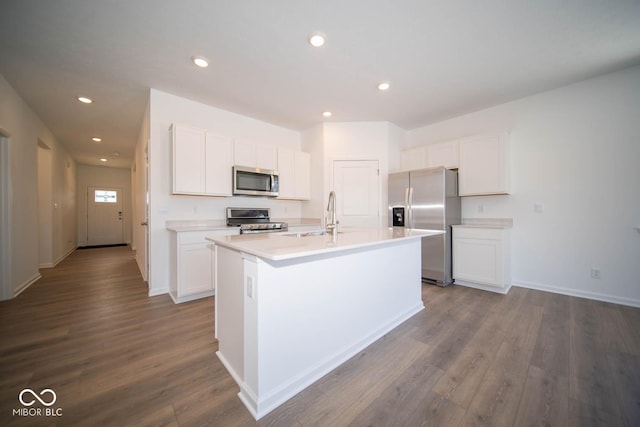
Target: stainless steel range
253,220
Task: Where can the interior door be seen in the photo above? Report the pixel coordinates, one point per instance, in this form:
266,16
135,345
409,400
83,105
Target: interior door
357,187
105,216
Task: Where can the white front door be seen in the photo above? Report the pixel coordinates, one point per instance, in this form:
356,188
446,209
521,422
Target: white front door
357,187
105,217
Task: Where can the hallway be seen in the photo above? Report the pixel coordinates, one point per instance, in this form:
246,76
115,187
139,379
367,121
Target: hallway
113,356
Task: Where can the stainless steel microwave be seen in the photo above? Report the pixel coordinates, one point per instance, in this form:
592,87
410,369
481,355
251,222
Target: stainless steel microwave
255,182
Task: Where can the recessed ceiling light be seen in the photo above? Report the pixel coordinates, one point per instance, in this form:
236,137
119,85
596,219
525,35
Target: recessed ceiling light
96,139
200,61
103,159
327,114
115,154
384,85
85,100
317,39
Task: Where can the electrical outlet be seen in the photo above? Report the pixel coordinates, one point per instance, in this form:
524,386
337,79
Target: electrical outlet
595,273
250,286
538,207
480,208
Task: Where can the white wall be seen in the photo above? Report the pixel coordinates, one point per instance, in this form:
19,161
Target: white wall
139,170
576,149
97,176
360,141
166,109
312,141
25,129
330,141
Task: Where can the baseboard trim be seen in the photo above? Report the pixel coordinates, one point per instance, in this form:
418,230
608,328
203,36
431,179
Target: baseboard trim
26,284
483,287
154,292
59,260
632,302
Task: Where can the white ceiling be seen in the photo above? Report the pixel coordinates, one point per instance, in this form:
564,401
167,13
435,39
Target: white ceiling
444,58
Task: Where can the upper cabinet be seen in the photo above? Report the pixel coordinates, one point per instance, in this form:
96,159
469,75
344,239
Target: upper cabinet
413,158
266,156
201,162
440,154
443,154
484,165
219,160
294,168
188,160
257,155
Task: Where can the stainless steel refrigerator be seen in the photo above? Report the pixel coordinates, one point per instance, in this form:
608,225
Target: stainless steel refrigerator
428,199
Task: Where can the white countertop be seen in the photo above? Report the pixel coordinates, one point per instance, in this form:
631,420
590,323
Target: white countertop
197,225
497,223
283,246
221,224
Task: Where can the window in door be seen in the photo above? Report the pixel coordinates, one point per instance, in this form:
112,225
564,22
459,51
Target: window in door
105,196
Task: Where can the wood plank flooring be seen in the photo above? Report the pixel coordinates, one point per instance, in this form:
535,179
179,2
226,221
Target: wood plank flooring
116,357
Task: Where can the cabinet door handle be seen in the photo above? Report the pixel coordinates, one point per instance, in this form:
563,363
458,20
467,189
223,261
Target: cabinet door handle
145,223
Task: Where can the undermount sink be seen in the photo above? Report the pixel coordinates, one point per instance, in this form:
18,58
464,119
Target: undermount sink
308,233
311,233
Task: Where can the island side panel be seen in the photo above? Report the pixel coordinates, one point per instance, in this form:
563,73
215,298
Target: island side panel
230,311
308,317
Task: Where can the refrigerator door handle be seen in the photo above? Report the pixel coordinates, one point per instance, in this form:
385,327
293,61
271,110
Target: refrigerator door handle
406,207
410,208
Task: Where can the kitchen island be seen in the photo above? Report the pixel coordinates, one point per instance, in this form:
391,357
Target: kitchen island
291,307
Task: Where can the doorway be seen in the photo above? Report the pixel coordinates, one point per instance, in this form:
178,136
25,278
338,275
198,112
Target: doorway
105,216
357,187
45,205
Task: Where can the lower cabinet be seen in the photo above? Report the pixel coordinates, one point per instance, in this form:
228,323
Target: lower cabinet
482,257
192,265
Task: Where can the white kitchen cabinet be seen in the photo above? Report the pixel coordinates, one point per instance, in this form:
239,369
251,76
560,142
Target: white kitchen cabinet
286,170
218,165
266,156
443,154
294,168
255,155
192,266
482,257
484,165
244,153
413,158
202,162
188,160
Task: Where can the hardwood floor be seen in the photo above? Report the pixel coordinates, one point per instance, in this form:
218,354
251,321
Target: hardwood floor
114,356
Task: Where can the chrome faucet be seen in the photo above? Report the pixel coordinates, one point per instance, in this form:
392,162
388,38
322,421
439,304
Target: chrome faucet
332,224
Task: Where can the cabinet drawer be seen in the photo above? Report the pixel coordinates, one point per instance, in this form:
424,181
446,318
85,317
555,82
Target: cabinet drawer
187,237
479,233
